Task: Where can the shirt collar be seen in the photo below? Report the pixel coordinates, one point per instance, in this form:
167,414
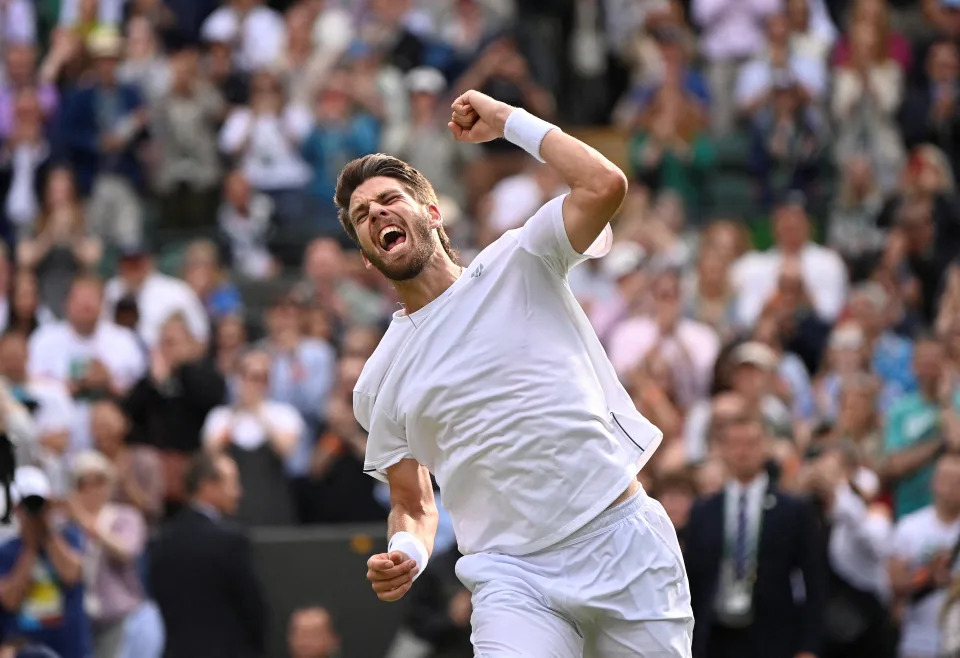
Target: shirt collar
207,510
755,488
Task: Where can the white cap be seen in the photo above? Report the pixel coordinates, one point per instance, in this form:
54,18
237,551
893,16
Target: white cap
91,462
221,27
755,354
30,481
847,336
425,79
624,258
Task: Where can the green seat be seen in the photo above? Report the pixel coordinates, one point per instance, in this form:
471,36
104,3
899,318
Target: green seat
731,195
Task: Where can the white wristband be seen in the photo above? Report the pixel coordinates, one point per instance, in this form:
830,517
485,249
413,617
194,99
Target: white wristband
526,131
411,546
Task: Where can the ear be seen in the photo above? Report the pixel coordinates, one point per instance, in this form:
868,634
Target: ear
436,221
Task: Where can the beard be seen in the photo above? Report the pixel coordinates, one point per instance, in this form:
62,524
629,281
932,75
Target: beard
419,248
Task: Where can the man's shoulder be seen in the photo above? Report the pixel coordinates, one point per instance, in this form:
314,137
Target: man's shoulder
916,522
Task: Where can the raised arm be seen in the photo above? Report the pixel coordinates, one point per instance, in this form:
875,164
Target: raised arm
411,528
597,186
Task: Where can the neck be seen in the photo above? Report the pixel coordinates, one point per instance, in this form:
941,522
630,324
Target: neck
438,275
747,478
946,513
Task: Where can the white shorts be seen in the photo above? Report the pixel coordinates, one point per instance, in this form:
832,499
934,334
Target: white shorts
617,587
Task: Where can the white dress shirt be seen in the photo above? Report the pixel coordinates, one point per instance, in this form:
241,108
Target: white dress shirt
756,492
859,543
261,35
732,28
159,298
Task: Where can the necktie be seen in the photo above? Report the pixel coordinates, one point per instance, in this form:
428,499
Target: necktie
740,548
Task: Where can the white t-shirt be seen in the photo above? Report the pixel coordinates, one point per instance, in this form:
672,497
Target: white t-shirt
58,352
246,431
918,536
501,388
160,297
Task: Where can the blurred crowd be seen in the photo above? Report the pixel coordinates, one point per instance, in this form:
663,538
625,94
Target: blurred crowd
184,322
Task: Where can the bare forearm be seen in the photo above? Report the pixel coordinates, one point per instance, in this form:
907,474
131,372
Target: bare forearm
907,461
13,588
422,523
66,561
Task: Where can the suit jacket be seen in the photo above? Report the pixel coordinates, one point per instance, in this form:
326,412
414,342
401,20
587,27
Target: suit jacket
203,580
789,541
80,135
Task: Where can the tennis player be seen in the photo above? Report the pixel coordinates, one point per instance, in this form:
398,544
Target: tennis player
492,379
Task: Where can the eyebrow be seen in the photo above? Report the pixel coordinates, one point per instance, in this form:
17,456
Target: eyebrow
366,204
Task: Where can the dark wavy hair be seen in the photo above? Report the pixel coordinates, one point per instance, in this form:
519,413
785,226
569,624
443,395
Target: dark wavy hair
370,166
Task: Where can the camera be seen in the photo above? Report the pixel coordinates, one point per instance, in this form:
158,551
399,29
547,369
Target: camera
34,505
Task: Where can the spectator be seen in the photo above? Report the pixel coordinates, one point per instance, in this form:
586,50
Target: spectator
344,128
169,404
677,492
732,32
327,284
789,137
751,528
202,572
794,380
124,622
824,276
672,150
144,65
257,32
891,44
24,164
928,114
209,280
263,137
924,545
19,22
422,142
624,268
61,246
753,375
515,198
158,296
708,294
51,412
245,221
690,347
80,15
676,75
231,341
261,435
302,370
853,229
914,438
857,621
102,127
311,634
950,621
41,574
755,83
138,467
20,74
890,355
812,33
93,357
334,490
26,311
866,96
185,125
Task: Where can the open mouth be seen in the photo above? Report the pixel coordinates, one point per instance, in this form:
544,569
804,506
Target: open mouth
392,237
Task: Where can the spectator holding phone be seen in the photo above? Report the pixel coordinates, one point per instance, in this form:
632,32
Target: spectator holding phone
41,571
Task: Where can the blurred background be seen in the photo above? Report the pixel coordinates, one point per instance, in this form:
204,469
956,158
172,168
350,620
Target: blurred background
184,321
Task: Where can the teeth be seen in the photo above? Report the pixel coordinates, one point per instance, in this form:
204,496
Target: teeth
386,230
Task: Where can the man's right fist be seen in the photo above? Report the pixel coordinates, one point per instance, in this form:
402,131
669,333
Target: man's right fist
391,575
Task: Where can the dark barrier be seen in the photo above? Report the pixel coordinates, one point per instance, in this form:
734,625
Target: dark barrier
326,566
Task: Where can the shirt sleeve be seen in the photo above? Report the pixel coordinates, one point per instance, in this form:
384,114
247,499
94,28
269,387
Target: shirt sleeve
544,235
214,424
386,443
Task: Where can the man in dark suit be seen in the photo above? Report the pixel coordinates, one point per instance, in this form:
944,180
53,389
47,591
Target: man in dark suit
202,571
744,547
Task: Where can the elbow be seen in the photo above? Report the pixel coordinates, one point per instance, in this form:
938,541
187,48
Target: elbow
612,186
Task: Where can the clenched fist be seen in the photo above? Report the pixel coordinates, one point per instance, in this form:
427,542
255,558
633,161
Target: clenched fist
391,575
476,117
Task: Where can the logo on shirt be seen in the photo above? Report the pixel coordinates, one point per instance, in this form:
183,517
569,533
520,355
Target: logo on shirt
477,272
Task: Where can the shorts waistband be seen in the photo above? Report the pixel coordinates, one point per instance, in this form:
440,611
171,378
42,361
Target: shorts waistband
628,508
